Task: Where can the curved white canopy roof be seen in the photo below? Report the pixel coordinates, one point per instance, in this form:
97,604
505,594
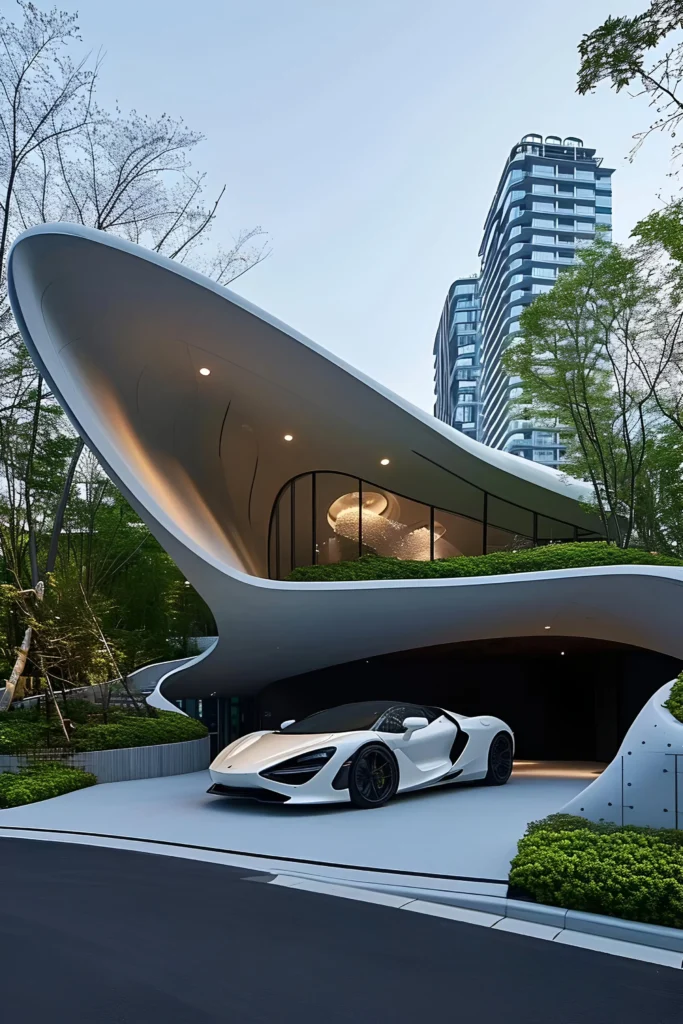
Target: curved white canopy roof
121,334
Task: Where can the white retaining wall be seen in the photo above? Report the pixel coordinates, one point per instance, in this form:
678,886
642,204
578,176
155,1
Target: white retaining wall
643,785
129,762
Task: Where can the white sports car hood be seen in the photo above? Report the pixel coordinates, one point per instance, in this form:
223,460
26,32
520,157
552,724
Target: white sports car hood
259,750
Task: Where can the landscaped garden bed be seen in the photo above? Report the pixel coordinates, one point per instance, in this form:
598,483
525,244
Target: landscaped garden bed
128,745
540,559
622,871
626,871
31,731
40,781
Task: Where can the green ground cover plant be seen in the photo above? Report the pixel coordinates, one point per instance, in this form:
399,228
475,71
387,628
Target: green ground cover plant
674,702
29,731
40,782
136,731
628,872
552,556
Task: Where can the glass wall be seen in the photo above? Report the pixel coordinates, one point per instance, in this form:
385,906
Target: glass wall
323,518
508,527
336,518
457,535
304,553
551,531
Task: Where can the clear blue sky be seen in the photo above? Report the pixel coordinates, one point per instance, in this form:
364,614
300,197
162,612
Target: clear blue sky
367,137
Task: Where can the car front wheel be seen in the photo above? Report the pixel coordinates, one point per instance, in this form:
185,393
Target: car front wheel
373,776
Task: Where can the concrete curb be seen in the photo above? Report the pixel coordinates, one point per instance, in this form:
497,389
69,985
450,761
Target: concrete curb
556,918
541,921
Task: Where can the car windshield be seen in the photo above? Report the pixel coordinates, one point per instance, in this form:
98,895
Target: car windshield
347,718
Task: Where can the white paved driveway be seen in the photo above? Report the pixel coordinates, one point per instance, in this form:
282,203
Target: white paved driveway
470,831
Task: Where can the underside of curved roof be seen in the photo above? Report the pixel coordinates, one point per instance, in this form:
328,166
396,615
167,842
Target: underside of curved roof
121,335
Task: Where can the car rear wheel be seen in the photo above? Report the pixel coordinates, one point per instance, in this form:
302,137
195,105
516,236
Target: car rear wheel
500,760
373,776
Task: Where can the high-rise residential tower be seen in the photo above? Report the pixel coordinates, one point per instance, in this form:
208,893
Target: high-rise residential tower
456,357
551,197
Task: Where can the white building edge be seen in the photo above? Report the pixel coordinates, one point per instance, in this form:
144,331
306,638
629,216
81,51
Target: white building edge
122,334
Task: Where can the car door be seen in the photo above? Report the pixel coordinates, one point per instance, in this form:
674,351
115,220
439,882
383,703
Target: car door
427,748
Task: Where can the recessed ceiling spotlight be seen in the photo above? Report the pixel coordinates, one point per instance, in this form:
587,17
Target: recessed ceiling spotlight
384,462
561,652
546,627
205,371
288,437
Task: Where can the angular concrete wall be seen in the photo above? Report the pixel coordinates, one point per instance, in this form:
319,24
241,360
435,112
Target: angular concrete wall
643,785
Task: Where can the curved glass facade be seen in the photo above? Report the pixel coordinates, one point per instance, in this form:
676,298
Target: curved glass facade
322,518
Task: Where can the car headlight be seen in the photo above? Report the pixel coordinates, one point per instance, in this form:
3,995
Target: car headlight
297,770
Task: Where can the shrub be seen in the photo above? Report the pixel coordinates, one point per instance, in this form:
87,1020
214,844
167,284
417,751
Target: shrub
136,731
674,702
551,556
40,782
629,872
26,731
77,709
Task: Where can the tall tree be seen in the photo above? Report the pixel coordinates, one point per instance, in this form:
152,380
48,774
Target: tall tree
63,157
659,502
646,50
580,361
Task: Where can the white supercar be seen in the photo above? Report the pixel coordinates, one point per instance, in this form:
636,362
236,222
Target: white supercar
364,753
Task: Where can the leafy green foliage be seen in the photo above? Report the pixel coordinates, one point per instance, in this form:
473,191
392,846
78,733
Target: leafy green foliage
112,579
30,731
615,50
663,228
659,491
110,569
583,361
629,872
135,731
674,702
20,733
618,52
40,782
540,559
572,822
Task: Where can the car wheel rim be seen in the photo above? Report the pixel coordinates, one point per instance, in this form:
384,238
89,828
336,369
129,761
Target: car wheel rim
501,758
374,776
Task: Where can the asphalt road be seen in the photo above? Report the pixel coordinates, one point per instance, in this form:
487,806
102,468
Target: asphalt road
99,936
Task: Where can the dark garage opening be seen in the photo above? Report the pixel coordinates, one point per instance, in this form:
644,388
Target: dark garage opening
566,698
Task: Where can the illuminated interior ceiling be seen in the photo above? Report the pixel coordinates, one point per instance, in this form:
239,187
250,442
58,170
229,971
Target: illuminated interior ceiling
373,523
123,335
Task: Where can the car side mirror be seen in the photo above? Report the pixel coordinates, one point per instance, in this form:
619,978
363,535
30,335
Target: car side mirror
411,725
290,721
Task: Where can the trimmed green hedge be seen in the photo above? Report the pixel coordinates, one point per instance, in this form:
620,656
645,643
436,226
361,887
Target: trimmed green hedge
40,782
629,872
674,702
28,730
136,731
551,556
